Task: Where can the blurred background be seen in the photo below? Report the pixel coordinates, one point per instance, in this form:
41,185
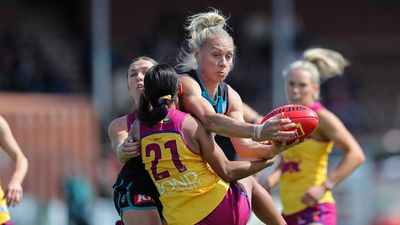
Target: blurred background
63,68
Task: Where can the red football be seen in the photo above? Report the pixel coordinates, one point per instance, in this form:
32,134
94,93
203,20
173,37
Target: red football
305,118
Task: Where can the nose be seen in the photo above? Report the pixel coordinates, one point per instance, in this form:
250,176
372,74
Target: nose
223,62
140,77
295,89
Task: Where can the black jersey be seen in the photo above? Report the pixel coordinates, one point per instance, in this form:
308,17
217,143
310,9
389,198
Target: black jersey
134,188
220,102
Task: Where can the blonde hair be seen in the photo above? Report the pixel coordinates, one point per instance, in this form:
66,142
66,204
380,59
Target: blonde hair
321,63
201,27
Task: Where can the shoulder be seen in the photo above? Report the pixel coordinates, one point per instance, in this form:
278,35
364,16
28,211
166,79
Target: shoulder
186,78
234,97
3,125
2,121
232,92
117,125
327,119
188,83
191,124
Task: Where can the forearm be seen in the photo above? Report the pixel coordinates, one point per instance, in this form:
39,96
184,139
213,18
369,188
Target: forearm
21,169
350,162
227,126
237,170
273,179
249,149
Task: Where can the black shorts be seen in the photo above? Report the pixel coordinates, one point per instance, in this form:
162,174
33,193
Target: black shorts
135,191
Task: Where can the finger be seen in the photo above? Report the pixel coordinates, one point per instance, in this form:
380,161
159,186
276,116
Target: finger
271,161
277,116
286,126
286,135
10,201
131,145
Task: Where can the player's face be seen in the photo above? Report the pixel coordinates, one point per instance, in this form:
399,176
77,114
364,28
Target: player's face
300,87
136,73
215,59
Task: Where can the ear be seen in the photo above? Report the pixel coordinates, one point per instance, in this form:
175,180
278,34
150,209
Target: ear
317,87
196,54
180,90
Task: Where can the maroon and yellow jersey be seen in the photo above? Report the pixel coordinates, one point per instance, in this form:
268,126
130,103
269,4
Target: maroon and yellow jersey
4,215
304,166
189,189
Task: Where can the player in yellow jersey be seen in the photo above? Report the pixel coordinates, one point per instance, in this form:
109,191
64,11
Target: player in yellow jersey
13,192
305,186
191,172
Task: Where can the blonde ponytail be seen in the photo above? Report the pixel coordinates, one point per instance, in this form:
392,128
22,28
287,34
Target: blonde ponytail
328,62
321,63
201,27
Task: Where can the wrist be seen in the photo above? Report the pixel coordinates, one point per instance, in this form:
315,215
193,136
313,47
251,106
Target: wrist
257,131
328,185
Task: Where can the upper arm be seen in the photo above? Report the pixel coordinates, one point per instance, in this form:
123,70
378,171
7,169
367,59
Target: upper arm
7,140
333,129
192,101
117,132
235,109
203,141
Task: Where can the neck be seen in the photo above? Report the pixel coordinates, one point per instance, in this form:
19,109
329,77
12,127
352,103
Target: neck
210,86
172,105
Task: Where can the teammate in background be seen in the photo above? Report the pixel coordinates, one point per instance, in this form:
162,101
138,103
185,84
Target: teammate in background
135,196
13,192
305,186
204,66
178,151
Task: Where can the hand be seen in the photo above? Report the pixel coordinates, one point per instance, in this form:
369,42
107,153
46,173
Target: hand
275,128
128,149
281,146
13,193
313,195
270,161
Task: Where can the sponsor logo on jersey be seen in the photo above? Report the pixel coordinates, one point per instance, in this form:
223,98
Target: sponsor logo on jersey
141,199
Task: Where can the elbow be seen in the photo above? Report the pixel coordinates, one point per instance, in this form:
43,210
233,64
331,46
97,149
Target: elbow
358,158
208,122
227,173
228,177
361,158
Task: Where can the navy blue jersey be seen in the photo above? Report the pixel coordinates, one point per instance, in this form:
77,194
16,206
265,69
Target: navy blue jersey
220,102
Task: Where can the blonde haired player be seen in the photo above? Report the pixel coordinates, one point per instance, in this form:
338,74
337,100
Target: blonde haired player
13,192
305,186
204,66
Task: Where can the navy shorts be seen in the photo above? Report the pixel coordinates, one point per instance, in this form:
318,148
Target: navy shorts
128,196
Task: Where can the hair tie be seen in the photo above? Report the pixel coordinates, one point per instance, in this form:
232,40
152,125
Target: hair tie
164,100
